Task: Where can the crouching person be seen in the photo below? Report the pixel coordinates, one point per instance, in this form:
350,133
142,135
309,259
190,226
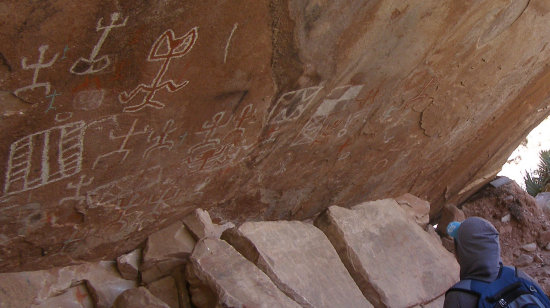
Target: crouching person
484,280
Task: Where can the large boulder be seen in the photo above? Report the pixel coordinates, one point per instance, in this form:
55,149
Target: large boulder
300,260
393,261
119,118
230,279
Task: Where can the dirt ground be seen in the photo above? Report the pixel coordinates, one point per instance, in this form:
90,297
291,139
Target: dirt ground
520,222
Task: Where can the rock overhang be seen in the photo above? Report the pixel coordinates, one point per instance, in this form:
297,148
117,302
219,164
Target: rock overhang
125,117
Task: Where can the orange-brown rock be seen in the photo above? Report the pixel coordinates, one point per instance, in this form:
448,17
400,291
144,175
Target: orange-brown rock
166,290
128,264
200,225
75,297
417,208
384,250
300,260
103,285
139,297
166,250
119,118
230,279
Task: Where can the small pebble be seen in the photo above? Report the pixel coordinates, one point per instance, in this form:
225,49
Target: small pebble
529,247
523,260
506,218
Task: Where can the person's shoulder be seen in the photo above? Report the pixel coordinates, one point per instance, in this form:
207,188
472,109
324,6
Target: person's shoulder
524,275
460,299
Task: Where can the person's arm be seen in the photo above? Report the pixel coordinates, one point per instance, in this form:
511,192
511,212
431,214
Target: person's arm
457,299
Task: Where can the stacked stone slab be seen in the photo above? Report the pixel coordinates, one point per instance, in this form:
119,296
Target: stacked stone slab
166,250
375,254
300,260
393,261
231,278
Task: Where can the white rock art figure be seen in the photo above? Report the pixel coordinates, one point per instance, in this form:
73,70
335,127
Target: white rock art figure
37,67
91,65
45,157
165,48
122,149
160,141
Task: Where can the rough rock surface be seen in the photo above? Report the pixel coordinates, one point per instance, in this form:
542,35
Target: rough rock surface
165,250
166,290
75,297
417,208
200,225
386,251
139,297
300,260
122,117
128,264
25,288
543,202
232,279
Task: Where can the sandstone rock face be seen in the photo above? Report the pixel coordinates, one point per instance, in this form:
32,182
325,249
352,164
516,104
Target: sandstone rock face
301,261
139,297
235,281
120,118
385,251
39,287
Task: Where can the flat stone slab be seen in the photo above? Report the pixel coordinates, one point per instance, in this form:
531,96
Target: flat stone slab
166,250
171,243
235,281
166,290
393,261
301,261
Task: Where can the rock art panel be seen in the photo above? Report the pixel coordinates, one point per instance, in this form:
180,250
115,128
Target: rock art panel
120,118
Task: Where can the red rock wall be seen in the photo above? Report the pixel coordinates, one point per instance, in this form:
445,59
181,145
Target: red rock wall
119,117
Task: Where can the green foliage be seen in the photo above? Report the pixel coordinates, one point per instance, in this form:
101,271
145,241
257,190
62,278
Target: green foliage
540,178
